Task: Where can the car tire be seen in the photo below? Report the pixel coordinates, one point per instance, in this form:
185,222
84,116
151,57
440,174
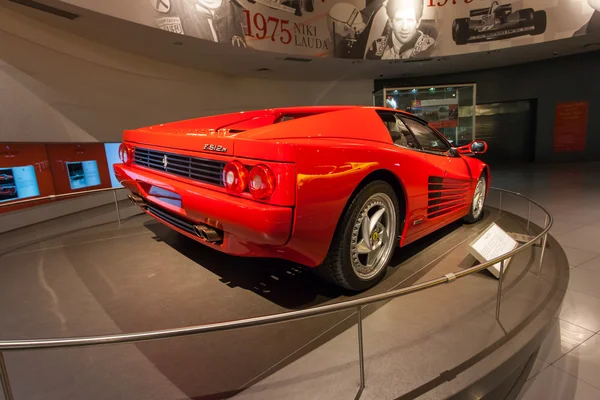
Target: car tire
539,22
460,31
356,262
526,15
476,209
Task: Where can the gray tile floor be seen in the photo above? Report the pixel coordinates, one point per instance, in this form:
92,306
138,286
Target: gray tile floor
568,364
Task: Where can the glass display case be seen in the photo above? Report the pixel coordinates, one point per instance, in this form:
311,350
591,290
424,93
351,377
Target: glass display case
447,108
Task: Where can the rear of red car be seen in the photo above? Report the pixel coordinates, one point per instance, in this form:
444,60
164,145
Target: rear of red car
212,180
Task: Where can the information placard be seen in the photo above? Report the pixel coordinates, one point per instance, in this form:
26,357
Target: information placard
493,243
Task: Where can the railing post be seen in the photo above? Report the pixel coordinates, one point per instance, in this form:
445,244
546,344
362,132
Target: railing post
361,355
528,213
544,243
499,297
117,206
4,381
500,205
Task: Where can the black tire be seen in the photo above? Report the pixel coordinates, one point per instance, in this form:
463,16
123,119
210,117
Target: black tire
526,15
460,31
539,22
337,266
473,216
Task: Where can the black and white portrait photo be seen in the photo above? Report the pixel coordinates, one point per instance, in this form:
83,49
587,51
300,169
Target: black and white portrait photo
214,20
593,25
405,37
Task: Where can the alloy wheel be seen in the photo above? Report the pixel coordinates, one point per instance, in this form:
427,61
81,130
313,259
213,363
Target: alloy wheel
479,198
373,236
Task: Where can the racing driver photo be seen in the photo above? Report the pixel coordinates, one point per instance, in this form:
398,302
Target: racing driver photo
215,20
406,38
593,26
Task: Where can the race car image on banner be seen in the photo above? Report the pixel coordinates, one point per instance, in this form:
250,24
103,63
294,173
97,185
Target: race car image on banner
499,21
363,29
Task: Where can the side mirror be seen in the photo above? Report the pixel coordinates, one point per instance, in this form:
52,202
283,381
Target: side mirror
479,147
475,147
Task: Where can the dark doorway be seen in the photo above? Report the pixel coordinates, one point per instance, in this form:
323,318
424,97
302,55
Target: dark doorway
509,129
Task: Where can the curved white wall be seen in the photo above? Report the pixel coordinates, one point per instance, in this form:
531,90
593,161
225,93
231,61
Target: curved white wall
56,87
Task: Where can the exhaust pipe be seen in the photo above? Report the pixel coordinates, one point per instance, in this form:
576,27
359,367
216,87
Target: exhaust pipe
137,200
207,233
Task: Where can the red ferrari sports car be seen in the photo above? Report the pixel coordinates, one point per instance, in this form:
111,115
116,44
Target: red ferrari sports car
332,188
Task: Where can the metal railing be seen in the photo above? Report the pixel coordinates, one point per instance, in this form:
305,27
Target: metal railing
357,304
54,197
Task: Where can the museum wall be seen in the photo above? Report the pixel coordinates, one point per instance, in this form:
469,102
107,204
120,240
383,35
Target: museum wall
563,79
56,87
60,88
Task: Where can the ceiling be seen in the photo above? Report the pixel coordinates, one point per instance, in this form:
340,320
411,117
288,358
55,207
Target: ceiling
200,54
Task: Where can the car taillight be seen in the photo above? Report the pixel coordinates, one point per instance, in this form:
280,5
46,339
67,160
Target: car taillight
126,153
261,182
235,177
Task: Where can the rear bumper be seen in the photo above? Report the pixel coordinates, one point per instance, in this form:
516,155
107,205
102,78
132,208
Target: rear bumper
249,228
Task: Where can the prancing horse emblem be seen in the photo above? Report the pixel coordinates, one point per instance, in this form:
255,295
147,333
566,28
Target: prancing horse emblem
165,161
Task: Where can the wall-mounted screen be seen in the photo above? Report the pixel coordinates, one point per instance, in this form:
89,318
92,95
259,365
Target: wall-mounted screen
83,174
112,157
18,183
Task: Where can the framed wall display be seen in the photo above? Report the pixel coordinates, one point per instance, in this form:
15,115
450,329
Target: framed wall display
24,173
29,170
79,166
112,157
570,126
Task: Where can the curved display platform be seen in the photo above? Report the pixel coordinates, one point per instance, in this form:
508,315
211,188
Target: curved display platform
143,276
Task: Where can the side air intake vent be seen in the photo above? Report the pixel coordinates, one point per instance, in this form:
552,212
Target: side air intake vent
46,8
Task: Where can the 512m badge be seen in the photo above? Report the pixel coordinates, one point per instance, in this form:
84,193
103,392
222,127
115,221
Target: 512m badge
213,147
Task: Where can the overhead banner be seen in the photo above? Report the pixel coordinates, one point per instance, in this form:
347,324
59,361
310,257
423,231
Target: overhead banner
363,29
